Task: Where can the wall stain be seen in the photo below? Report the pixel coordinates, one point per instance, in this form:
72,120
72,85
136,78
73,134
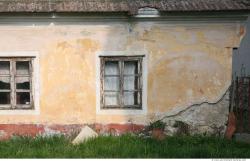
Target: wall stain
186,64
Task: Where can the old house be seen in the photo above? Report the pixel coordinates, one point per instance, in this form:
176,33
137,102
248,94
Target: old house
116,65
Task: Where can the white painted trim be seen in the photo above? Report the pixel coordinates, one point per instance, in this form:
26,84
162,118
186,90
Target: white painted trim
36,82
147,12
142,111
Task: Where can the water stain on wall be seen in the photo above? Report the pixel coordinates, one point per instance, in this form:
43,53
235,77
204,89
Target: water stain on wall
186,64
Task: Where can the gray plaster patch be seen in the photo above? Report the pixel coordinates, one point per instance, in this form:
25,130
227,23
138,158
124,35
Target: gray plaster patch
203,118
50,132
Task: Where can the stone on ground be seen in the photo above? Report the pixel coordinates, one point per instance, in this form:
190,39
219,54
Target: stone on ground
85,134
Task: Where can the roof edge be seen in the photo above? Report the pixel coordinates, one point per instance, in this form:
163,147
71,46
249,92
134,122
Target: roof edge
130,7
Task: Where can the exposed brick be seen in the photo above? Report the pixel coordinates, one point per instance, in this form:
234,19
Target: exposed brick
8,130
22,129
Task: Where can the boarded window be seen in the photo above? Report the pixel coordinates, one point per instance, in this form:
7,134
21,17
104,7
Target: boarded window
121,82
15,83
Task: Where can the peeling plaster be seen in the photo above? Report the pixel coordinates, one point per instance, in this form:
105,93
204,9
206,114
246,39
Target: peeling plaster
187,64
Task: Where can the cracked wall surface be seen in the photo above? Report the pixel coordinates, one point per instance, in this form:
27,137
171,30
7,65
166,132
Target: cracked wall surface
203,118
188,63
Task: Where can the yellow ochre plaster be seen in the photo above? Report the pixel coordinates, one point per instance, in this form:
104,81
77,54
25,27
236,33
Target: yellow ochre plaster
187,63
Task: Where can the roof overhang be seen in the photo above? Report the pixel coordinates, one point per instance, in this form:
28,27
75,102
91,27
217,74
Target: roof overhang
130,7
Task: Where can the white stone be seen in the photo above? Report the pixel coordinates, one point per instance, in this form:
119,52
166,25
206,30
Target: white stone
85,134
170,131
2,134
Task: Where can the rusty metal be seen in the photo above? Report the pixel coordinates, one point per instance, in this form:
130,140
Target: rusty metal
240,102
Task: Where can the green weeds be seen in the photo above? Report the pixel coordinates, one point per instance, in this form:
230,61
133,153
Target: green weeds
126,146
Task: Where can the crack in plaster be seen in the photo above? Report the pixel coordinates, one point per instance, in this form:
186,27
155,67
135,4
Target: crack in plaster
182,110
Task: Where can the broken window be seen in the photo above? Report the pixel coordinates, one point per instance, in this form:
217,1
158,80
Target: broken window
121,82
15,83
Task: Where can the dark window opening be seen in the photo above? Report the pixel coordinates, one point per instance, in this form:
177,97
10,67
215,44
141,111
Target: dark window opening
15,83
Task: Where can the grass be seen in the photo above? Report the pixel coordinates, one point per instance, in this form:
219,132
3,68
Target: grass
126,146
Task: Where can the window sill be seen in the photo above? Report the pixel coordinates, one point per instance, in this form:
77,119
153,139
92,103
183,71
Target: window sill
121,112
20,112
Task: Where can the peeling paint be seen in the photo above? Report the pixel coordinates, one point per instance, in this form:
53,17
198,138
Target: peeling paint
187,64
9,130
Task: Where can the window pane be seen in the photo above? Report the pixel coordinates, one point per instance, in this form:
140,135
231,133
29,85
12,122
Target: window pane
4,98
131,98
4,83
22,67
23,98
22,83
111,83
111,68
130,67
4,67
110,98
130,83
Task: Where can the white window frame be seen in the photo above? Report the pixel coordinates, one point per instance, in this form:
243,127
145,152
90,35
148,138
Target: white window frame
35,80
143,110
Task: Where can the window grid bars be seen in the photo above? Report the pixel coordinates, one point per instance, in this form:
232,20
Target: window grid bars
121,75
13,90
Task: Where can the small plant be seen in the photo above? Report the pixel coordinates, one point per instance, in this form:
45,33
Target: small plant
183,128
157,128
157,125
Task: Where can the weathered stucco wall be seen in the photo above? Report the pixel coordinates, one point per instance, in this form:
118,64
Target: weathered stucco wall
188,63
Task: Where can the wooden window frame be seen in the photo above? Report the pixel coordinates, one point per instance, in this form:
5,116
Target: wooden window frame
13,90
121,60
